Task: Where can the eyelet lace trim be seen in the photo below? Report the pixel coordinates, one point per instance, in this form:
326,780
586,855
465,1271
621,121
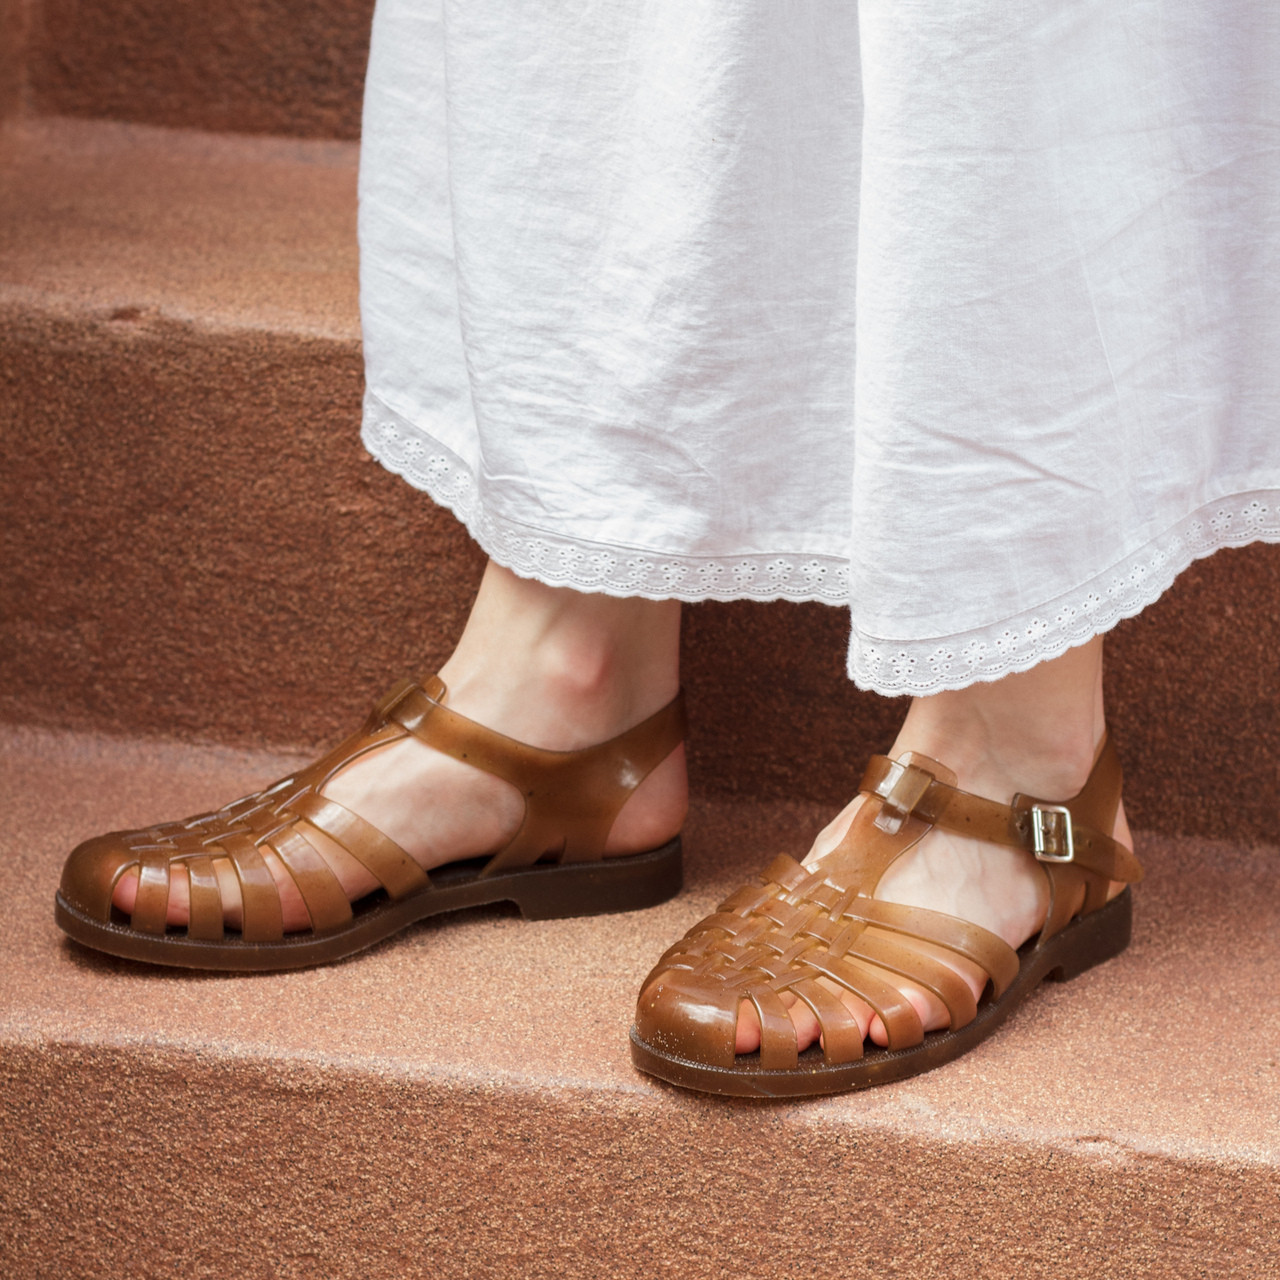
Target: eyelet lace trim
1017,644
893,668
426,464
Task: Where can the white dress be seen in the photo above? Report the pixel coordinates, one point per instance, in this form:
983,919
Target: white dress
965,316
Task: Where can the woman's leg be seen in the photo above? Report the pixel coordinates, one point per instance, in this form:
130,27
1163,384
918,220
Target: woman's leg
1037,733
548,666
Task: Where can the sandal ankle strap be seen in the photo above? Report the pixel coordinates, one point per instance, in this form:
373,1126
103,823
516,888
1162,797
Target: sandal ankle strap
1062,832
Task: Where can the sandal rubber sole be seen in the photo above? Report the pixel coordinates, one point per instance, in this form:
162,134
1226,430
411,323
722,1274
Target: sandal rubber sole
1089,940
628,882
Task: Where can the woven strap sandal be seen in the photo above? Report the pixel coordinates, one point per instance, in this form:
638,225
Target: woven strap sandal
795,926
553,866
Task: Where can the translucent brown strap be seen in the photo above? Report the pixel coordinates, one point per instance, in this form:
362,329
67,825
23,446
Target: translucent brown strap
571,797
841,1034
394,869
262,917
979,946
902,1023
206,918
1066,831
326,900
906,958
151,906
778,1049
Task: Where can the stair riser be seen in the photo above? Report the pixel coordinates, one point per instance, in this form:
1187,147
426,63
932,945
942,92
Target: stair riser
13,50
142,1163
254,66
206,552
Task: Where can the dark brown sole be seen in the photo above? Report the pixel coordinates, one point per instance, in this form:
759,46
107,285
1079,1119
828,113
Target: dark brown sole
544,892
1088,941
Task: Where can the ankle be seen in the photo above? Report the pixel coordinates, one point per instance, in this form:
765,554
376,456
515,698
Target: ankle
536,661
594,668
552,674
998,765
1038,732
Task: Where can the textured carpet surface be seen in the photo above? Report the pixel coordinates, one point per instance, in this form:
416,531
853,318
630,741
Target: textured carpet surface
459,1101
253,66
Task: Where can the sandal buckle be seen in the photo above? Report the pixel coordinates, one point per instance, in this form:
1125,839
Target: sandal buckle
1051,835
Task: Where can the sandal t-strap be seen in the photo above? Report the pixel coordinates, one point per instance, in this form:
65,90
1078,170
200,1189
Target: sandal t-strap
553,865
801,931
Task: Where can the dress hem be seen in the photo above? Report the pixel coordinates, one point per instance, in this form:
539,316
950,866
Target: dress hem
894,668
898,668
605,569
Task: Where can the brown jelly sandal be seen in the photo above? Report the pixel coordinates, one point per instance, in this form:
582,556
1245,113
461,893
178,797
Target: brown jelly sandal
553,866
795,926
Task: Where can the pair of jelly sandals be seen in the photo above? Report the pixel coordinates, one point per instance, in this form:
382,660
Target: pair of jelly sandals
796,933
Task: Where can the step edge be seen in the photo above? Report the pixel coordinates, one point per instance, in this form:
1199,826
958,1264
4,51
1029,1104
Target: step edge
971,1133
150,315
99,136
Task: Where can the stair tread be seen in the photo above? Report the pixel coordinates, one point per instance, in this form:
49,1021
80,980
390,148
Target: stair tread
140,222
1116,1060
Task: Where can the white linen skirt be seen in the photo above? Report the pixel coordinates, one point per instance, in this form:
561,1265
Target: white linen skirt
965,316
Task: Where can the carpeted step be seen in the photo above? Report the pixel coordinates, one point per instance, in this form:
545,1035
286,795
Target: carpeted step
196,545
15,22
195,529
249,66
459,1102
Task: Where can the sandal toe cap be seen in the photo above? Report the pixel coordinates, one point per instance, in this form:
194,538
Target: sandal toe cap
92,870
689,1015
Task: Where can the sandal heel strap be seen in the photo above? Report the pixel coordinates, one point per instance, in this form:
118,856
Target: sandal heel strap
571,797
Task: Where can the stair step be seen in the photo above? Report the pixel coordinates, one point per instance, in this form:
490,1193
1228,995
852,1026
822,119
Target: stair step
252,66
15,20
204,550
182,378
130,224
459,1101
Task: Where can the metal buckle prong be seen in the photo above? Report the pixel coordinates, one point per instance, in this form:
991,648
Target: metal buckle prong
1051,833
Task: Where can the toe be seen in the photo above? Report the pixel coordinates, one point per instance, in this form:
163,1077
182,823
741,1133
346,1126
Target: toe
178,909
126,891
748,1034
808,1028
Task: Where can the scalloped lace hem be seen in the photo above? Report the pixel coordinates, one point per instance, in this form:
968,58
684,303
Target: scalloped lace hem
891,667
428,465
915,668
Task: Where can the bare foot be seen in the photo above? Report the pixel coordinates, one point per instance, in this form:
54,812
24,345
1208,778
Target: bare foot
590,667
